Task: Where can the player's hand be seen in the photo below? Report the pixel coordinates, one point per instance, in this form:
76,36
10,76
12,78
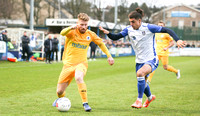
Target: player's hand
165,49
104,30
111,61
73,27
181,43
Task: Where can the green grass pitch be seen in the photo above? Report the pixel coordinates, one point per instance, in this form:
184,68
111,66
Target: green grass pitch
28,88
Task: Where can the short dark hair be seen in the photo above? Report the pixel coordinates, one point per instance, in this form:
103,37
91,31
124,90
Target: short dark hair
138,13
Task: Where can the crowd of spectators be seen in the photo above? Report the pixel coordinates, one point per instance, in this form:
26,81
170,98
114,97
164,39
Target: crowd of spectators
118,44
36,44
193,44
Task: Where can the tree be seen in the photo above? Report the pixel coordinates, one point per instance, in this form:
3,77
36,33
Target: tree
155,9
97,10
147,12
6,8
109,16
52,6
123,11
76,6
26,12
133,6
37,9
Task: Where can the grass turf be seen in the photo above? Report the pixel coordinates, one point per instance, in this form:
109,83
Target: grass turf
28,88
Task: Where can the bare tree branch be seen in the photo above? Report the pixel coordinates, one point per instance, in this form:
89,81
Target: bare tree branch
26,12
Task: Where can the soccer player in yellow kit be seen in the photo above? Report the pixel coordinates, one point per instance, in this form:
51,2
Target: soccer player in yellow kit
164,41
77,41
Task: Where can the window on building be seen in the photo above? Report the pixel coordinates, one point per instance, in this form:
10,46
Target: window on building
193,24
199,24
180,24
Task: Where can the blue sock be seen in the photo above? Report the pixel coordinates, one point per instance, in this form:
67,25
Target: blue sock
147,90
141,86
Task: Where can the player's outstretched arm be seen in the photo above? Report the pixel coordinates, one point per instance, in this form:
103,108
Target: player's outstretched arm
104,30
179,42
105,50
66,30
111,35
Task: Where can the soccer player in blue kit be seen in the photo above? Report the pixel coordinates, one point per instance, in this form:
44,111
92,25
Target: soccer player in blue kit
142,36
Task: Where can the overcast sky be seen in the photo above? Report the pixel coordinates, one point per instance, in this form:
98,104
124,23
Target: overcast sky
157,3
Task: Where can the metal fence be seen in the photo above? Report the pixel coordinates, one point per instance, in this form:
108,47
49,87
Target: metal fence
187,33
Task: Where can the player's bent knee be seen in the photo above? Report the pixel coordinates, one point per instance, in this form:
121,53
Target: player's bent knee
79,79
165,67
140,74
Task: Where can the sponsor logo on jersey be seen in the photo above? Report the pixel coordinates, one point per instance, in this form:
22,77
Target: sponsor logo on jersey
143,33
79,45
88,37
134,38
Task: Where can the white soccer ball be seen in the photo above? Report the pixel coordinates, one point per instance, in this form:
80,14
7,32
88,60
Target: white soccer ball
63,104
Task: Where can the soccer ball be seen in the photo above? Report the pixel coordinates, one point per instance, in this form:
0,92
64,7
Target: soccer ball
63,104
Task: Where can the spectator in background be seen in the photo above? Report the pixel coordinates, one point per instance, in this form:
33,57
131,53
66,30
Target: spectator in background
14,43
123,45
4,35
114,43
62,48
55,42
119,44
188,45
1,37
193,45
198,46
48,47
25,47
109,42
33,40
9,44
92,51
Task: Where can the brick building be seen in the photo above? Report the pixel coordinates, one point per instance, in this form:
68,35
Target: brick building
178,16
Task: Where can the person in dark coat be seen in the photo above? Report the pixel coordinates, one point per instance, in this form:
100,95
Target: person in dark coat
4,35
55,42
25,47
92,51
48,47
